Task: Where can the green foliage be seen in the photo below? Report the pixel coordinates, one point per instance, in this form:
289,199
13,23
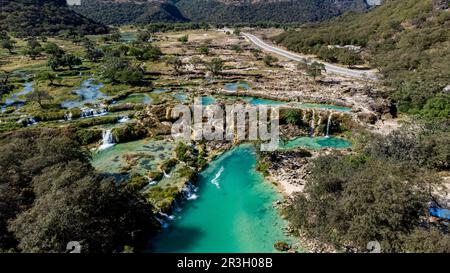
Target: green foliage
347,202
53,50
175,62
184,39
45,17
163,196
120,70
34,48
65,60
46,76
90,136
89,122
195,61
39,96
269,60
291,116
215,66
168,164
406,40
129,132
203,49
146,52
121,13
7,43
136,183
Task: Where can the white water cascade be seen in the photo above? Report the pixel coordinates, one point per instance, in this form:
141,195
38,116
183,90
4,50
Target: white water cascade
313,124
107,140
329,124
189,192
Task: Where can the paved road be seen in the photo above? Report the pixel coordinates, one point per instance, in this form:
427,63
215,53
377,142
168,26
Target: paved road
365,74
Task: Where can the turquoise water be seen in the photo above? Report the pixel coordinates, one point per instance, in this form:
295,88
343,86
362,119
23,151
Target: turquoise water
89,93
234,86
233,212
208,100
316,143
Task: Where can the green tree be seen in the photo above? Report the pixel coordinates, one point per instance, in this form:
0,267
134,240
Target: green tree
204,49
34,48
47,76
315,70
39,96
54,63
291,116
8,44
5,85
60,198
349,58
53,50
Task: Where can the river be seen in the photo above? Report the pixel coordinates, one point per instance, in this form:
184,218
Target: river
233,213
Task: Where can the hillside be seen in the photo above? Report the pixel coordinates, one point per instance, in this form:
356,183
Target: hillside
128,12
408,40
215,11
44,17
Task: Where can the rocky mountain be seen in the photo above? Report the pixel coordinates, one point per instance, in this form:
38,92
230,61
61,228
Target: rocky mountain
44,17
215,11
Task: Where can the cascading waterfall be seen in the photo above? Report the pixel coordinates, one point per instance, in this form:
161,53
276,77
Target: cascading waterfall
107,140
189,192
329,124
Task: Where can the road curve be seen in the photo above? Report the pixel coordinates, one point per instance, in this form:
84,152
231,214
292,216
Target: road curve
330,68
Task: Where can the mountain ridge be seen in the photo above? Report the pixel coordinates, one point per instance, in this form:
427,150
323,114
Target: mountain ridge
118,12
44,17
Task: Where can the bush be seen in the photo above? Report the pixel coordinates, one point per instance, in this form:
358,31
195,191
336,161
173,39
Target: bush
86,137
129,132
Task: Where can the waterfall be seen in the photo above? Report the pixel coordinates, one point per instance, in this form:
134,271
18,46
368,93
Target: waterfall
124,119
166,175
215,181
107,140
68,116
89,112
313,123
189,192
329,124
